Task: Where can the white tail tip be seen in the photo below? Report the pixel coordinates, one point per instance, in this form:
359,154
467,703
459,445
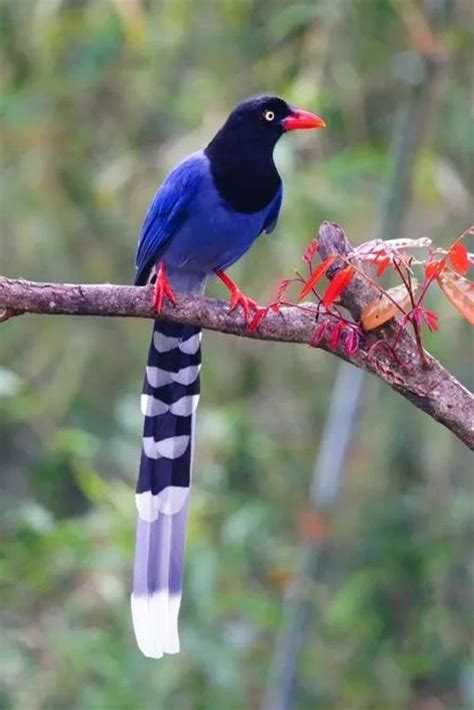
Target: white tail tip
155,621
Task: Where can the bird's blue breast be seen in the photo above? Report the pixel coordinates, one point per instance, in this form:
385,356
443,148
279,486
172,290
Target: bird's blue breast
213,235
192,228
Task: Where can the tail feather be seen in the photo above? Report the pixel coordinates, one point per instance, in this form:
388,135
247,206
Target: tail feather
169,400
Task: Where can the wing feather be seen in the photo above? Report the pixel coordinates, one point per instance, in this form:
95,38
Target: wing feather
167,213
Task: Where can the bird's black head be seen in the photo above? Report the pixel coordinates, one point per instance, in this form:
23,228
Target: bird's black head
241,153
262,121
258,120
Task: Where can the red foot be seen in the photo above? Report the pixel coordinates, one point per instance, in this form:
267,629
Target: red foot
162,289
237,298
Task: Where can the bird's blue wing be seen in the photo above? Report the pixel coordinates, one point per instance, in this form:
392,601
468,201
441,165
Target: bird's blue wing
166,214
272,216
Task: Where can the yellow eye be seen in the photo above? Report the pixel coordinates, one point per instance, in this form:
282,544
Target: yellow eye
268,115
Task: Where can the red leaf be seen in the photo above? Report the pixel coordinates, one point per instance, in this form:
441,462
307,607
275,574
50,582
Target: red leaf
383,265
310,251
338,285
459,258
351,341
431,320
316,276
377,255
421,316
335,334
318,335
282,286
433,269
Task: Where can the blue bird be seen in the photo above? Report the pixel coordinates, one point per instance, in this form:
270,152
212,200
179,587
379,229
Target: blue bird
205,216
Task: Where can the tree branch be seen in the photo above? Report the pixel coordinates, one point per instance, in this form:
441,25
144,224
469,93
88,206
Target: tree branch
433,390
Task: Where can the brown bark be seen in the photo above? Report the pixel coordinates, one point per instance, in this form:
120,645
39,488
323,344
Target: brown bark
434,390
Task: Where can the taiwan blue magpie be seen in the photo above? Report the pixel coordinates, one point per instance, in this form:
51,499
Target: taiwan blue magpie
204,217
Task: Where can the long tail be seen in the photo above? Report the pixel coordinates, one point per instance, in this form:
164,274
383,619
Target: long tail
169,400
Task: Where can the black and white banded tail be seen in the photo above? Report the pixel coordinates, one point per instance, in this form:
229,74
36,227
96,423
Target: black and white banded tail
169,400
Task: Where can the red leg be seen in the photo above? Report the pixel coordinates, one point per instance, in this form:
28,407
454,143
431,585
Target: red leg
162,289
237,298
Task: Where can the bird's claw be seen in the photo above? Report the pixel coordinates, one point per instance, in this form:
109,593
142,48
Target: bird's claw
162,289
237,297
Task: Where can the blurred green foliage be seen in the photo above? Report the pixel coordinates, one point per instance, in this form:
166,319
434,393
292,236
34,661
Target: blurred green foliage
100,98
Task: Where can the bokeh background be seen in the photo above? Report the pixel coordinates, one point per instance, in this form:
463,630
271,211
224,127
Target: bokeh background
372,605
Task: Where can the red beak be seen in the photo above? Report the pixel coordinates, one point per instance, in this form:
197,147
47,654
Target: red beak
302,119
